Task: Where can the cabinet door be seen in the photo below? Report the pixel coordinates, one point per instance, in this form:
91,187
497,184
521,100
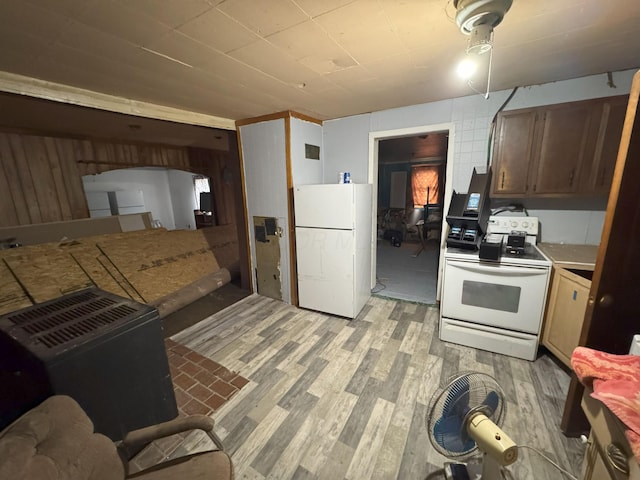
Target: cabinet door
513,153
565,314
594,466
562,148
600,173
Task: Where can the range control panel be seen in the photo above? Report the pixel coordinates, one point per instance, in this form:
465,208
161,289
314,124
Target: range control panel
505,225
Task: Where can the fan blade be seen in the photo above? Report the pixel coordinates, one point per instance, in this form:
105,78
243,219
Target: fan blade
457,401
492,401
446,432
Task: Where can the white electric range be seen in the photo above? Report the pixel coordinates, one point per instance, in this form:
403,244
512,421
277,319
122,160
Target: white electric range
496,305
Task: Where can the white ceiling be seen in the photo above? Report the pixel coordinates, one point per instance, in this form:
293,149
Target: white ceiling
327,59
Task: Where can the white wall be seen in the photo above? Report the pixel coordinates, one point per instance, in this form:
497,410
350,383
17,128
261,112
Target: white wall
346,146
152,181
345,142
304,170
183,199
264,163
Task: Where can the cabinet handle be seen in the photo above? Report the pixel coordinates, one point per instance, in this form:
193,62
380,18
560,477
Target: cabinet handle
617,459
571,178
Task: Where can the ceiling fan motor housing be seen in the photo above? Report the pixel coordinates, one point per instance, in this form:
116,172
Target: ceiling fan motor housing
473,13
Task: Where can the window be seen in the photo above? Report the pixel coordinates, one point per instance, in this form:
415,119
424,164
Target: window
200,185
425,180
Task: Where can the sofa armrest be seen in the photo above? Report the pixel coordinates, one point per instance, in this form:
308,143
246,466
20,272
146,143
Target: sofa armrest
143,436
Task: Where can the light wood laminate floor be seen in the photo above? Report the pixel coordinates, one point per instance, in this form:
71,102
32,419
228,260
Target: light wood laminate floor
331,398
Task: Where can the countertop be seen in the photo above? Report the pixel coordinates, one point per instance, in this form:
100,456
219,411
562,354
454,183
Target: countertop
564,255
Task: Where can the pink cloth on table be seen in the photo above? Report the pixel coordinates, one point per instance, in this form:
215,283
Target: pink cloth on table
616,383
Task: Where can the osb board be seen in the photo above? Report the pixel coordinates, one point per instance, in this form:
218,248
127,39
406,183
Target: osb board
86,255
47,272
119,278
224,241
158,265
96,239
12,295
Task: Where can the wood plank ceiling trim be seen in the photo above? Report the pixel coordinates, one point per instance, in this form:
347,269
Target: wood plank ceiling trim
33,87
275,116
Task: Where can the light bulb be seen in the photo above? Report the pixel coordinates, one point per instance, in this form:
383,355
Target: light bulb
466,68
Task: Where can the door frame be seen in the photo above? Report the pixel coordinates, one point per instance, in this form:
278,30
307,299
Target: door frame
372,177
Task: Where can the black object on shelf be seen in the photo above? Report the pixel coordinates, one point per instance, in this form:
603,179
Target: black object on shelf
105,351
206,201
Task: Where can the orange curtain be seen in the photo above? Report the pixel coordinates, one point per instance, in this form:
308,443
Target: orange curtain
424,178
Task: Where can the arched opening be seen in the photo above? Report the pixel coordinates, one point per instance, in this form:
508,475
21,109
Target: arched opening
171,196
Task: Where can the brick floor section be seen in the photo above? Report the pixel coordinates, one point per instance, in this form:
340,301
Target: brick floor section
201,386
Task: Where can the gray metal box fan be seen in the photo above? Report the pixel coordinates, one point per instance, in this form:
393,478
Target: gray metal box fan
105,351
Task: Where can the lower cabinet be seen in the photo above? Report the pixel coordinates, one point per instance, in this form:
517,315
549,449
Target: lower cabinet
594,466
608,455
565,312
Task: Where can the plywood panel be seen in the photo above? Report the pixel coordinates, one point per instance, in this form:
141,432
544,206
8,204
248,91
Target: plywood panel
44,174
72,178
57,178
8,211
224,242
156,265
24,175
111,268
47,273
41,174
221,185
83,155
86,254
13,179
12,295
119,278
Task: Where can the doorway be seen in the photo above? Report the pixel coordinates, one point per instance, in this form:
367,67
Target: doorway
410,168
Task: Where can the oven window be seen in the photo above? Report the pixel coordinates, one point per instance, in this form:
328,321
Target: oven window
491,295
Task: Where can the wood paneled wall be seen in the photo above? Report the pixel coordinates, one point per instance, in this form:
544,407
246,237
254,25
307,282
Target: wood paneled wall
41,176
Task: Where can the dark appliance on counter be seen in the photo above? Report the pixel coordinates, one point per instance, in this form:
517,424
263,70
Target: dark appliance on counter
491,247
469,212
105,351
516,242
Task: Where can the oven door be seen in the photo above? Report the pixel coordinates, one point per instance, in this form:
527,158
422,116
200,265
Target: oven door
503,296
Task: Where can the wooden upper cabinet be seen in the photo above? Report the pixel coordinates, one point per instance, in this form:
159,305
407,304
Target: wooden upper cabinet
562,147
597,177
557,150
513,153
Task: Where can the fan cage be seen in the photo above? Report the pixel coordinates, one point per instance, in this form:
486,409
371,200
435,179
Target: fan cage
450,399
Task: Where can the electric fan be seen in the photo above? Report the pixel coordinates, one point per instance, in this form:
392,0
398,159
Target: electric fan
463,417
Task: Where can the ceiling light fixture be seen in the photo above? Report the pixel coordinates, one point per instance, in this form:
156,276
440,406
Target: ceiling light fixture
477,19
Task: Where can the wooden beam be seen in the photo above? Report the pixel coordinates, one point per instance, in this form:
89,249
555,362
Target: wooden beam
276,116
33,87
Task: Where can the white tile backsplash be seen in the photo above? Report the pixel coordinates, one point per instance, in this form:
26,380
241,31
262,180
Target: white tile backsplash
569,226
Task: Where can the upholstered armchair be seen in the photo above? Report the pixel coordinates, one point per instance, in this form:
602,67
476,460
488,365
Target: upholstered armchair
55,440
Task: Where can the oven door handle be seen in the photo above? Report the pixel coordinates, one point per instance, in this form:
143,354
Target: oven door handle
499,270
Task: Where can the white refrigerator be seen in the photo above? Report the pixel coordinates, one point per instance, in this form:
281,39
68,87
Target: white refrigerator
333,247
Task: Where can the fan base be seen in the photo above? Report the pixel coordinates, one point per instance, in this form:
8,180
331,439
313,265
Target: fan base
488,469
